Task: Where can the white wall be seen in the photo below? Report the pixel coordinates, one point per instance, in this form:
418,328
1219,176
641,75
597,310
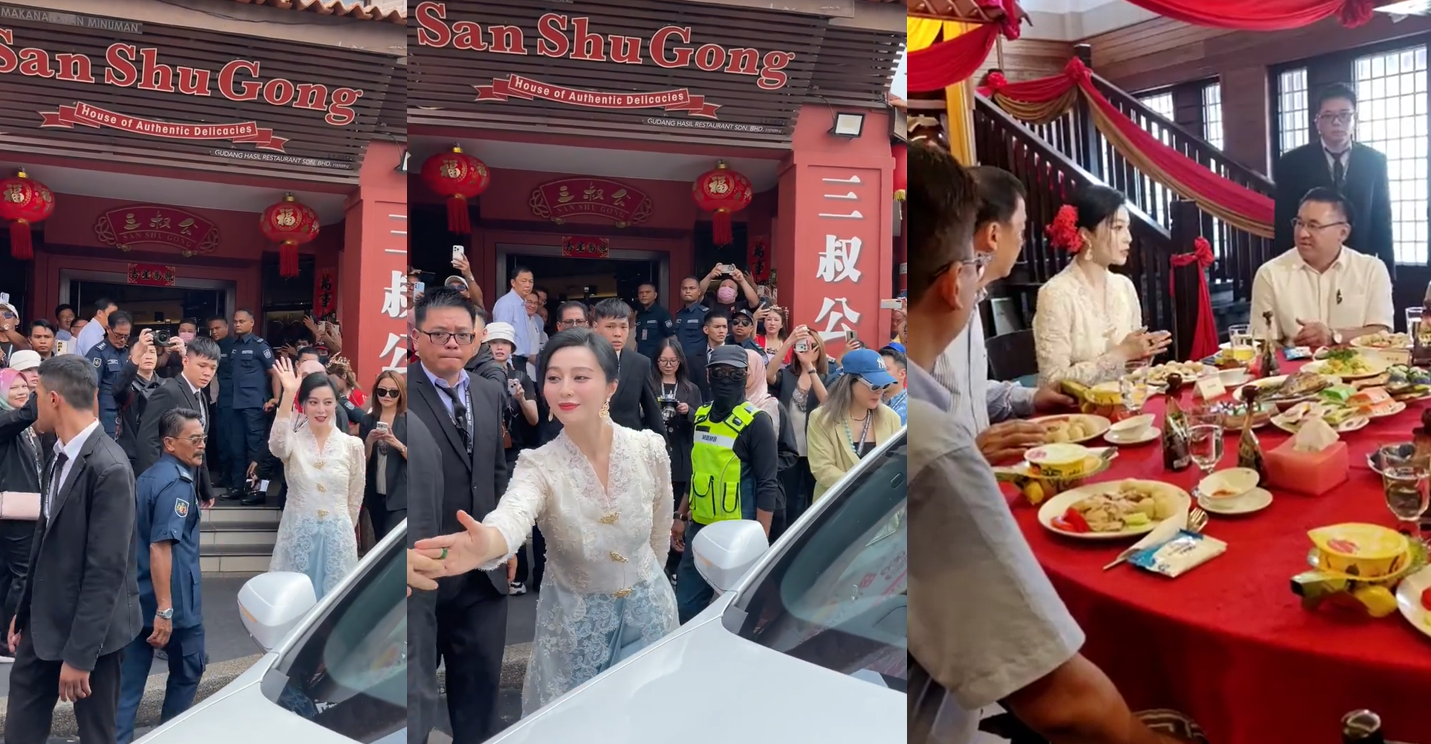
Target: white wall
1074,20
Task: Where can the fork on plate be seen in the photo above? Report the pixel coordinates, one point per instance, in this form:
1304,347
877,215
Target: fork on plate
1197,520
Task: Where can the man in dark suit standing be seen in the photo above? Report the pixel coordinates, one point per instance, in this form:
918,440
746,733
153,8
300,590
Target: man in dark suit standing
424,520
463,412
634,405
80,604
201,363
716,326
1334,160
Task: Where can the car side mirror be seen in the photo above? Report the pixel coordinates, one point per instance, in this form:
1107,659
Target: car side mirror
272,604
725,551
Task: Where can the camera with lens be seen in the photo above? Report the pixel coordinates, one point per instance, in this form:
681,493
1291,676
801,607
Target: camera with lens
161,338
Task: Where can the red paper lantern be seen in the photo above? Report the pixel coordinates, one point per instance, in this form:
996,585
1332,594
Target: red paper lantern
901,170
723,192
23,202
290,224
458,177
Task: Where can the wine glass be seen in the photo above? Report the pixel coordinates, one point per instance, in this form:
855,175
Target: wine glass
1413,322
1133,386
1406,483
1205,446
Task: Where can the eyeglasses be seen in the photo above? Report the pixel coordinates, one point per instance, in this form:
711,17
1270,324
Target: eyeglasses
1298,224
442,337
572,323
980,261
727,373
195,440
1343,117
668,361
386,392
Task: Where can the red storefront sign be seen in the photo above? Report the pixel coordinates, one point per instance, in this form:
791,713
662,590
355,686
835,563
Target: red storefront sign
325,295
94,117
130,66
138,224
845,255
679,100
585,248
565,198
151,275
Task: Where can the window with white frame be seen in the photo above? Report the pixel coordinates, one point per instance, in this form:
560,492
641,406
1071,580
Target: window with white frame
1162,104
1212,114
1292,121
1391,117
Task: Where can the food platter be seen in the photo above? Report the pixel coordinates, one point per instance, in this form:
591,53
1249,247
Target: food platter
1190,371
1074,428
1351,366
1409,600
1382,340
1170,500
1292,420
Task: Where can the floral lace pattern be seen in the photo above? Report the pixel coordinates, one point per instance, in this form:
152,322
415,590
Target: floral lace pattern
316,535
1076,332
605,592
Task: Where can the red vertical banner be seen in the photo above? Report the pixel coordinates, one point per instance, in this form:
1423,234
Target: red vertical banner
758,259
843,252
325,294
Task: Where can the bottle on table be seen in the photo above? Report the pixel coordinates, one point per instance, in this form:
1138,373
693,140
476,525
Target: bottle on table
1176,453
1268,365
1249,449
1420,349
1362,727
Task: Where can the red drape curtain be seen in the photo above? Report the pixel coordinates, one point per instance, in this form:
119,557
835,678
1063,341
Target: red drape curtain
951,62
1205,332
1262,15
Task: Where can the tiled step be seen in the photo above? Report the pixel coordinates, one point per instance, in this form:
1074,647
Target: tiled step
227,512
240,558
239,533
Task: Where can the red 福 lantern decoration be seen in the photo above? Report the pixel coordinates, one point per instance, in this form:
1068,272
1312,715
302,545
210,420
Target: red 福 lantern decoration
290,224
457,177
23,202
901,170
723,192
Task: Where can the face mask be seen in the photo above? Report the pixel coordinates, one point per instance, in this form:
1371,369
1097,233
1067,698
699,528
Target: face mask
726,295
187,336
727,393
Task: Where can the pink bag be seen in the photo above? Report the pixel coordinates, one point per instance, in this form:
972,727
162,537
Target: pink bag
19,505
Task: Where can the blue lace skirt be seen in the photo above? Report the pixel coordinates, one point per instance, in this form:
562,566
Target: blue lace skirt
323,548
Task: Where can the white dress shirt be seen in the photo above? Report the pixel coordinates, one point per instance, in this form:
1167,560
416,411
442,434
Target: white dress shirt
71,450
977,401
511,308
91,334
1354,291
1076,332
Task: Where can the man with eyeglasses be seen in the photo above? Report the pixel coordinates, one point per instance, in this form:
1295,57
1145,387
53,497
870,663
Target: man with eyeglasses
167,535
571,314
992,409
1334,160
742,330
108,357
1322,292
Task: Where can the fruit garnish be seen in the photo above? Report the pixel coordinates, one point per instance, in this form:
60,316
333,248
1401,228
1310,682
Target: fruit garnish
1345,547
1426,599
1075,521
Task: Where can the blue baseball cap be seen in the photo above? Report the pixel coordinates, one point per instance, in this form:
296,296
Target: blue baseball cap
868,365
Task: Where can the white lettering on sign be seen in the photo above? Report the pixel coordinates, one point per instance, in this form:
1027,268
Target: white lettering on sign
398,352
839,260
837,321
395,298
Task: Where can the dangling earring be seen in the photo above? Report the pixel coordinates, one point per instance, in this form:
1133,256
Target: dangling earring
606,409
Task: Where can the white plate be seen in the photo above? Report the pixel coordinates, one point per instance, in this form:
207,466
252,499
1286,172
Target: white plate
1100,424
1375,366
1352,424
1150,434
1398,408
1056,506
1253,501
1408,598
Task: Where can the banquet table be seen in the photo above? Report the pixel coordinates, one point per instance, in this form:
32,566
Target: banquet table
1229,643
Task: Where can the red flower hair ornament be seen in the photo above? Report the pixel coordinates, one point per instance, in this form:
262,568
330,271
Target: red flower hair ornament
1063,232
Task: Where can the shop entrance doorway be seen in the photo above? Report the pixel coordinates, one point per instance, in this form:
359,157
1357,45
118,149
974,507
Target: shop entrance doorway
584,279
159,308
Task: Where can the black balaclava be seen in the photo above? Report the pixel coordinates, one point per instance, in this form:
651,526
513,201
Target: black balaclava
727,393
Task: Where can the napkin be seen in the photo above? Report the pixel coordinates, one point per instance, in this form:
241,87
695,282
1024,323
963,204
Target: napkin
1165,531
1314,436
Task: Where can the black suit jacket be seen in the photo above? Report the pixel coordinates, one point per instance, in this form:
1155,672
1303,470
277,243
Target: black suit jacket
397,467
696,369
149,446
1366,188
424,520
471,484
81,597
634,405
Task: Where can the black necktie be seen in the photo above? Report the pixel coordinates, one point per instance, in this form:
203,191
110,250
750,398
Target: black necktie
56,471
1339,171
459,417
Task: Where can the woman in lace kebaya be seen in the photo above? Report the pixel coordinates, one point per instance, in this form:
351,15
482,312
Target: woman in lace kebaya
1089,323
601,495
326,473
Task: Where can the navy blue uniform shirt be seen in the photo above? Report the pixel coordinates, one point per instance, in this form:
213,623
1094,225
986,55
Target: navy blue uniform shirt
689,322
225,374
108,362
653,325
168,511
250,359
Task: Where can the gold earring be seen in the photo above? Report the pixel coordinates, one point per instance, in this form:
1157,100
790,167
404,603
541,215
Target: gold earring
606,409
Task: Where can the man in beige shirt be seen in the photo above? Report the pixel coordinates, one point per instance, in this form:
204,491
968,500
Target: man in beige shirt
1321,292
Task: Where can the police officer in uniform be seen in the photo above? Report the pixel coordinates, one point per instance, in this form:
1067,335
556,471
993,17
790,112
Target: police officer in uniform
690,319
255,392
108,357
734,467
653,322
167,535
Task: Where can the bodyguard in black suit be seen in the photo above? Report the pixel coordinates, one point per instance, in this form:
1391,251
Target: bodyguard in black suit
716,326
463,413
1334,161
634,405
424,519
80,604
201,363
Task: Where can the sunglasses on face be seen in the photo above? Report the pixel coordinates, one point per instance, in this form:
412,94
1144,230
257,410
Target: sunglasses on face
727,373
743,322
386,392
871,385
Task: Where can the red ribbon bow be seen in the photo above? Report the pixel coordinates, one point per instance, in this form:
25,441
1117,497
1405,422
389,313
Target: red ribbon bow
1077,72
1205,331
1356,12
1202,253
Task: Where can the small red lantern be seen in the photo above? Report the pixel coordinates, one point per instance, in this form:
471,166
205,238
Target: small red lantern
290,224
723,192
458,177
901,170
23,202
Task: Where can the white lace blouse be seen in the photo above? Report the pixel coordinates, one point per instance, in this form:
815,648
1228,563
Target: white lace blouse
1076,333
331,479
599,541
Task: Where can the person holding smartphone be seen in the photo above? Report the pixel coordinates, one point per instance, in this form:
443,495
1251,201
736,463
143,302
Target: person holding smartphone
734,291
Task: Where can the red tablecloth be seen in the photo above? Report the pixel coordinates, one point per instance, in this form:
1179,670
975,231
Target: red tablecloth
1228,643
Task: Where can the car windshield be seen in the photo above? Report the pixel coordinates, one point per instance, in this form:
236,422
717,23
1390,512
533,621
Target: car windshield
349,674
837,597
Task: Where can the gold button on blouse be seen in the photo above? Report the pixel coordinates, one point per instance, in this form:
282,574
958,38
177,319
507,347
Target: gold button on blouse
622,593
609,519
619,558
322,488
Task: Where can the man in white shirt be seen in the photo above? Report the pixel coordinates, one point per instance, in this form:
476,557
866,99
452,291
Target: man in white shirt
511,308
1321,292
990,409
94,331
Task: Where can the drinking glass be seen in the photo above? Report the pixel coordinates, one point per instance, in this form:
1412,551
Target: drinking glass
1406,482
1239,335
1205,446
1133,386
1413,322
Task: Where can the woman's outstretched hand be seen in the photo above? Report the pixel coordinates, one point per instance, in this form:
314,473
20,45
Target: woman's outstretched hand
450,555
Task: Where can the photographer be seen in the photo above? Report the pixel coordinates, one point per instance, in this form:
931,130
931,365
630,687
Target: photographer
733,290
679,399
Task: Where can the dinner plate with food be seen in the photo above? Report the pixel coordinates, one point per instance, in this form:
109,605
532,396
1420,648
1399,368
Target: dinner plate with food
1348,364
1285,390
1406,382
1073,428
1341,418
1113,510
1382,340
1189,371
1375,403
1413,598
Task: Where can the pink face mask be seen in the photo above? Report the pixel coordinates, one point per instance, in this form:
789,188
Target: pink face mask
187,336
726,295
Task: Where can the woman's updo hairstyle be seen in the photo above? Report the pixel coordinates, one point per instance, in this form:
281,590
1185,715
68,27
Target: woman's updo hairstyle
584,337
1091,206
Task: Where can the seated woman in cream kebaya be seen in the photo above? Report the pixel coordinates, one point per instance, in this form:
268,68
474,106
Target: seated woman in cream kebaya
1089,323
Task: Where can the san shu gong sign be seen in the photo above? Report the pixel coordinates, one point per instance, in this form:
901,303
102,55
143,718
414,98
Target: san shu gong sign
615,62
